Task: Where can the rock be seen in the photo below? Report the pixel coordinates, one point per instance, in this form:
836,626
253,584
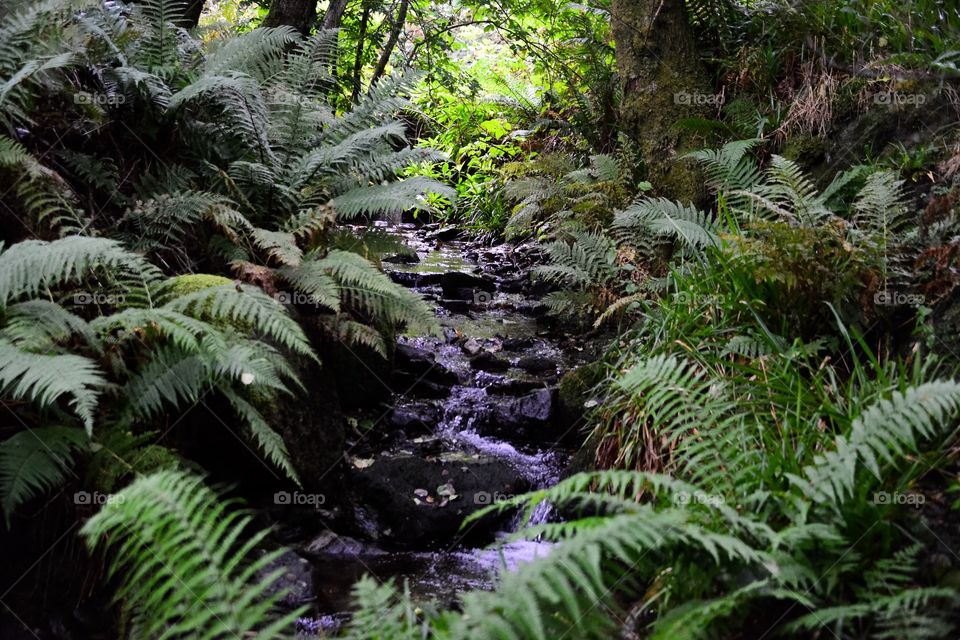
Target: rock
414,279
392,488
486,361
523,418
296,579
471,347
453,282
573,391
536,407
532,309
402,258
455,305
513,386
362,375
517,344
450,232
415,418
418,368
537,364
329,543
514,285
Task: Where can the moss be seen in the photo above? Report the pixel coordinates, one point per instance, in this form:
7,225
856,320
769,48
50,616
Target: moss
575,387
805,148
191,283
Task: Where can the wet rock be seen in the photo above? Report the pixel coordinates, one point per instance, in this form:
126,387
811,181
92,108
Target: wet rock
415,418
414,279
455,305
532,309
418,370
424,500
450,335
296,579
525,418
486,361
450,232
402,258
455,283
537,364
517,344
514,285
329,543
513,386
471,347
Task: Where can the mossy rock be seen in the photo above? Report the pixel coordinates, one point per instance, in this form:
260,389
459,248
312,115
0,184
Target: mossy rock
574,390
806,149
193,282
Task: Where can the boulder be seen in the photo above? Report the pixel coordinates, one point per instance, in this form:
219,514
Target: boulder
415,417
417,371
450,232
524,418
454,283
537,364
295,580
423,500
487,361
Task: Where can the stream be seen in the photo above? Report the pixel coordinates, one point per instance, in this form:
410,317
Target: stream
473,421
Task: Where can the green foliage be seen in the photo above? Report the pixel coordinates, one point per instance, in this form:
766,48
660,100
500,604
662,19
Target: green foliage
187,562
549,192
34,461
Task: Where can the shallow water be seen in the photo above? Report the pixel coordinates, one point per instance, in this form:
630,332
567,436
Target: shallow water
440,575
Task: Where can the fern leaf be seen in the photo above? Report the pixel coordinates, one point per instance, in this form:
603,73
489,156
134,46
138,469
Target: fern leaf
34,461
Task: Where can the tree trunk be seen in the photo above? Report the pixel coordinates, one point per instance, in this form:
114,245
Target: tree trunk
334,14
192,15
358,58
663,81
299,14
395,30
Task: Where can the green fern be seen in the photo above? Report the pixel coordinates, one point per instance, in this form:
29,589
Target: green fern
186,562
34,461
45,379
886,432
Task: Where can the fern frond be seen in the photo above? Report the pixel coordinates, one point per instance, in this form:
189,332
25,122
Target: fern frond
249,306
886,432
44,379
187,564
34,461
269,440
394,197
33,265
667,219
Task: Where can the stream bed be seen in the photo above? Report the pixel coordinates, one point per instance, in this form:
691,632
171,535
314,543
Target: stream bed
473,420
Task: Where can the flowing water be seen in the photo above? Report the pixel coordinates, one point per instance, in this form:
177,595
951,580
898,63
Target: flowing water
494,409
